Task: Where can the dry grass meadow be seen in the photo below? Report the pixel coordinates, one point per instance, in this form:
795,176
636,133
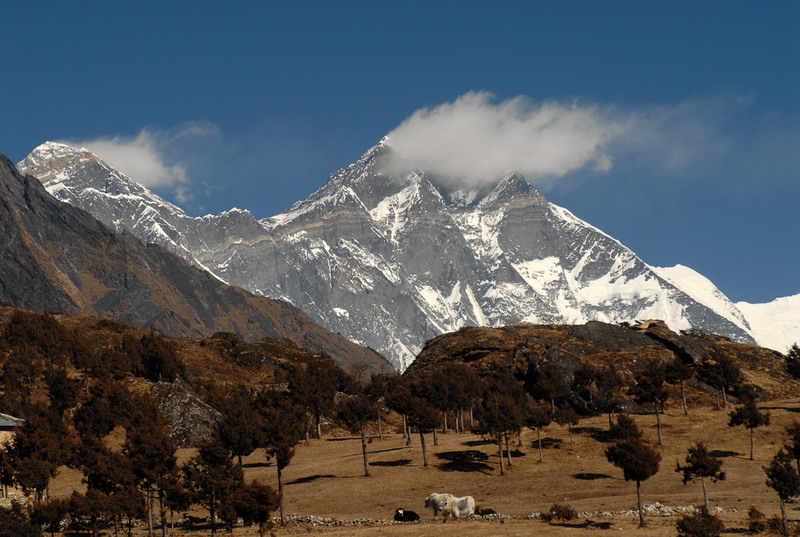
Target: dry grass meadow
326,479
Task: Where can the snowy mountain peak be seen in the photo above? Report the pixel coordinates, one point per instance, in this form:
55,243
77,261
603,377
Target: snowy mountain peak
390,259
777,323
50,160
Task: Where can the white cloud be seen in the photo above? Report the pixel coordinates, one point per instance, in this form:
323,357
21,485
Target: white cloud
149,157
674,139
474,140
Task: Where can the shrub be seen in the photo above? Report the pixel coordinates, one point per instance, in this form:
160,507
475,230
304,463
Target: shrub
756,521
700,524
775,524
559,512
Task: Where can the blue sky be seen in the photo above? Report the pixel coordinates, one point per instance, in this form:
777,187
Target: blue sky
253,104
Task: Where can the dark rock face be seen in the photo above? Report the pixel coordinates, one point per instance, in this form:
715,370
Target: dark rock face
191,421
56,257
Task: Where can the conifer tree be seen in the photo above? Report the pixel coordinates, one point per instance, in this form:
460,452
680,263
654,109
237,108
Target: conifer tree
62,390
701,464
282,419
313,386
678,372
399,399
15,523
254,503
792,362
37,449
378,388
240,428
752,418
151,453
567,416
638,462
602,388
498,415
546,382
212,477
538,416
793,446
783,479
50,514
90,509
423,417
649,388
625,428
720,371
356,412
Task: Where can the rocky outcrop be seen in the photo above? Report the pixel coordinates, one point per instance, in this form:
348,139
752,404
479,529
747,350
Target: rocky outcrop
625,347
191,421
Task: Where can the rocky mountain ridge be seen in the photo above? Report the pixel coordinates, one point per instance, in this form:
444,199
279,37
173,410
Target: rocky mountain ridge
59,258
390,261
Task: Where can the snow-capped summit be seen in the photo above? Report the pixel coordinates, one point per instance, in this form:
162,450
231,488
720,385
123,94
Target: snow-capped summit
391,259
81,178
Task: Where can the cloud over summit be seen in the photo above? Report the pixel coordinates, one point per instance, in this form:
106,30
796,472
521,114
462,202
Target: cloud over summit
151,157
474,140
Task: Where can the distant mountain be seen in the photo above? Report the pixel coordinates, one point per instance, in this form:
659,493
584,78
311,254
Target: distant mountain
390,261
59,258
776,323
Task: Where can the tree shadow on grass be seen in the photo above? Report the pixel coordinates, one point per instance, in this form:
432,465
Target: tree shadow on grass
398,462
256,465
584,525
476,443
723,453
388,449
601,435
309,479
470,460
588,476
547,443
